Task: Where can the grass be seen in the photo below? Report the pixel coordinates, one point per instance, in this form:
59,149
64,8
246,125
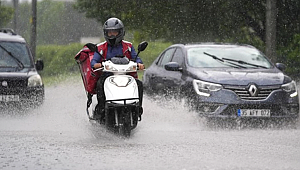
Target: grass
58,60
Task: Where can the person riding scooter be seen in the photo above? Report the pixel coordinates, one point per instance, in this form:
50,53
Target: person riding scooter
113,46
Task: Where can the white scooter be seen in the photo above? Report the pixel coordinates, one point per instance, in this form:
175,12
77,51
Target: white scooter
122,105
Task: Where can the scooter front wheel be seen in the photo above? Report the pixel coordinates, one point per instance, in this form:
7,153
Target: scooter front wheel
124,127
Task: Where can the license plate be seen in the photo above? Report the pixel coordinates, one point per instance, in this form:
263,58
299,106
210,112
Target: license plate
254,112
9,98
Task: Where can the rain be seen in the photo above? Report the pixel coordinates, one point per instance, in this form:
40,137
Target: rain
59,135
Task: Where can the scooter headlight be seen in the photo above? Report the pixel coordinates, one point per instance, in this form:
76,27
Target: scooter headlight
204,88
120,81
132,68
291,88
110,68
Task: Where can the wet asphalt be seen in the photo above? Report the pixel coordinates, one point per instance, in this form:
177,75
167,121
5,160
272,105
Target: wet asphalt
59,136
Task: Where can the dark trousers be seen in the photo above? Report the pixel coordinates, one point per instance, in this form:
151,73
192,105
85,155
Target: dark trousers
100,91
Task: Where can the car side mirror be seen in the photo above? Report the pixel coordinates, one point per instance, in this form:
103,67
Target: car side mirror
280,66
39,64
173,66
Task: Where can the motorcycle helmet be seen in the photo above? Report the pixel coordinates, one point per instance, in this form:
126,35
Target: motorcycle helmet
113,24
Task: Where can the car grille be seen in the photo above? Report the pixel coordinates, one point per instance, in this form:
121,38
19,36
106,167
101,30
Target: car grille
12,83
243,91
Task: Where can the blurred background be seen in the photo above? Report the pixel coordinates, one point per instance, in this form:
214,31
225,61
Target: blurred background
63,26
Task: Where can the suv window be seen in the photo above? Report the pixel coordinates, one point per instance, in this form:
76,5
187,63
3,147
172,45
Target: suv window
14,54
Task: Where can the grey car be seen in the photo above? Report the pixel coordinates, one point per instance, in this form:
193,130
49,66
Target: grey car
222,81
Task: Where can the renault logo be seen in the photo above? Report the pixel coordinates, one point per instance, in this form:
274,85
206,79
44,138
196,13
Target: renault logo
253,90
4,83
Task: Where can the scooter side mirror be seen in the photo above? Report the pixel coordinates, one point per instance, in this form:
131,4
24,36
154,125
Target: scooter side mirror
142,46
92,47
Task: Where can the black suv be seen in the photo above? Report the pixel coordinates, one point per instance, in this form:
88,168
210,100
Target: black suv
20,83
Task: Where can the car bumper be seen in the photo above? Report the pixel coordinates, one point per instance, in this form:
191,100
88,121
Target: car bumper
33,95
226,104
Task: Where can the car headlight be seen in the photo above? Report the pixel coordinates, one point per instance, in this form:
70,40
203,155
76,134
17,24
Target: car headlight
120,81
290,88
204,88
34,81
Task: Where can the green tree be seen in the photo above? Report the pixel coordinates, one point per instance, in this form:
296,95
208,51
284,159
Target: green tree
197,20
173,20
6,14
288,21
57,23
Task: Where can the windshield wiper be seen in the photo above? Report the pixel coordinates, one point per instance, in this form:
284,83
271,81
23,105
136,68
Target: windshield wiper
213,56
243,62
223,60
20,64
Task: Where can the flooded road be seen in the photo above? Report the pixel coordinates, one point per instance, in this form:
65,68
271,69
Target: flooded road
58,136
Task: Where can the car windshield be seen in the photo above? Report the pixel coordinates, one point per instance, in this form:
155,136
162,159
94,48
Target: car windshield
14,54
232,56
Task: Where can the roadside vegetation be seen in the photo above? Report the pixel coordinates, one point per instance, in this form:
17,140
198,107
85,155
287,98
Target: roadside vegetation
60,63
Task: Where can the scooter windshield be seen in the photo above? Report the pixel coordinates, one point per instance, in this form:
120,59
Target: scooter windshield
120,60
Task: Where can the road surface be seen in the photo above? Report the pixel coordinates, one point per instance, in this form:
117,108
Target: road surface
59,136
